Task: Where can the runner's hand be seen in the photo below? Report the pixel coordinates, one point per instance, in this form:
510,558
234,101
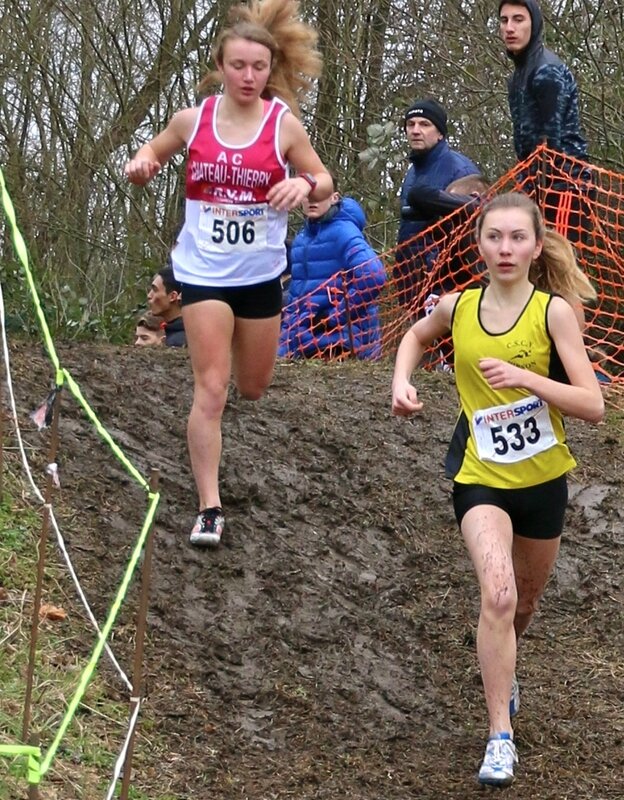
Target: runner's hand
502,375
141,170
405,400
288,194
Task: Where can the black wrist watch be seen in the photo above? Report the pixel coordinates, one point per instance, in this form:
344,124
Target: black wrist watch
308,178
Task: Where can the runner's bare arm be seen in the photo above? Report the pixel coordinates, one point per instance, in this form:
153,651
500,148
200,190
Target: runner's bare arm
413,345
582,397
149,159
298,151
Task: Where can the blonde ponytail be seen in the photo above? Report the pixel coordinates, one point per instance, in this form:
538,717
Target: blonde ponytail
556,270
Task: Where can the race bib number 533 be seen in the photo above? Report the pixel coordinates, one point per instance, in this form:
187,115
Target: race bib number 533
513,432
233,228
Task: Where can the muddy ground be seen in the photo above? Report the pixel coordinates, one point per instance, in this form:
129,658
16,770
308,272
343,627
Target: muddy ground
327,649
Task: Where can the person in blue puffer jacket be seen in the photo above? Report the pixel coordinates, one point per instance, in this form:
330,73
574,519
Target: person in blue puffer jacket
332,309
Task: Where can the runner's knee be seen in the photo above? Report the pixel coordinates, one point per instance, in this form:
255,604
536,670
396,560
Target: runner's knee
252,390
527,606
210,395
499,599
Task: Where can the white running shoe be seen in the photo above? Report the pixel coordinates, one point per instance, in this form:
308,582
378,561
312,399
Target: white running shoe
497,768
208,527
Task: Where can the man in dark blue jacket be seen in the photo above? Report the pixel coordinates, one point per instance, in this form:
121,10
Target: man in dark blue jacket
433,165
544,106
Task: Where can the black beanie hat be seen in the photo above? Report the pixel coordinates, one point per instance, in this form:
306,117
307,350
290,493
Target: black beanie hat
431,110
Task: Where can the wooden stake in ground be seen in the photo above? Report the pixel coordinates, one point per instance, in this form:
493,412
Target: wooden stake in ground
43,539
137,675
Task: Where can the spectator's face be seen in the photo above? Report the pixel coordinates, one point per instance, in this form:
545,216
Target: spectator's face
422,135
313,209
157,298
515,27
145,337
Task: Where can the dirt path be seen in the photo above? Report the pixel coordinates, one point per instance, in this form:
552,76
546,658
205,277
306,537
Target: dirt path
327,649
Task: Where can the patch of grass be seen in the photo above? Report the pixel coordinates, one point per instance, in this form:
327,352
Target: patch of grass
83,765
614,420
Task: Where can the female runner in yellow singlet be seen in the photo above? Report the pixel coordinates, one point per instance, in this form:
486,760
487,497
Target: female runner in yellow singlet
520,366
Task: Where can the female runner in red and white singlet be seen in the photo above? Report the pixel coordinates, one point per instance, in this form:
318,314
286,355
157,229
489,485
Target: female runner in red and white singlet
231,253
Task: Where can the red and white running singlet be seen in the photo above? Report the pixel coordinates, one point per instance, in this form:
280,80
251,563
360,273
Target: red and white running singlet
231,236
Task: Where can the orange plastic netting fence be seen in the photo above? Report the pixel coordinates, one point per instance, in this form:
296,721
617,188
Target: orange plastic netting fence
352,315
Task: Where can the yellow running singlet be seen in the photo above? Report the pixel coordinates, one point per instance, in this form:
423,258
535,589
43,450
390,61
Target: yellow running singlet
505,438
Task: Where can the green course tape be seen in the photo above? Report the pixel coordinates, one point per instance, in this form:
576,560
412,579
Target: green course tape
75,390
33,754
61,373
87,674
35,769
22,254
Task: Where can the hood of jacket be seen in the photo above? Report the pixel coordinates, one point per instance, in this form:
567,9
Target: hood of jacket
532,52
175,325
346,209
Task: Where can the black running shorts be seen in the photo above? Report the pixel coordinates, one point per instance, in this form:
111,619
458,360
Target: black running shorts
536,512
260,301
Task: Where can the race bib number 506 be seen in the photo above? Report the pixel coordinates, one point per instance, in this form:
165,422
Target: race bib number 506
233,228
513,432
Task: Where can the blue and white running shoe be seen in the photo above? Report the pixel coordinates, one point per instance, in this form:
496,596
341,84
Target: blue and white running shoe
498,764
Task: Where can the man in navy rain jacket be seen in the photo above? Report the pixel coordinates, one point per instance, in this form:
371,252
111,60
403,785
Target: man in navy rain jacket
434,166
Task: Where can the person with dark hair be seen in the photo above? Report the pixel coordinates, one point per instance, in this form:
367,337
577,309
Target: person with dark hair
520,366
332,305
249,162
164,299
433,165
431,204
544,106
